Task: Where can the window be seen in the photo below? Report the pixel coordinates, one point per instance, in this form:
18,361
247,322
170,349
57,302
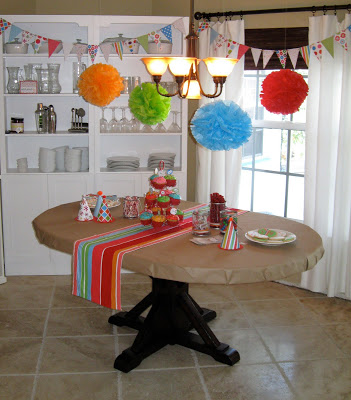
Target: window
273,164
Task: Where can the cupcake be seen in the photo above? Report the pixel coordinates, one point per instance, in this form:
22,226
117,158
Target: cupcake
156,210
159,182
175,199
153,177
172,220
171,180
145,218
180,215
150,199
158,220
163,201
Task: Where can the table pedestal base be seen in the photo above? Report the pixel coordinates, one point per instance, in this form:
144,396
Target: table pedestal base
172,315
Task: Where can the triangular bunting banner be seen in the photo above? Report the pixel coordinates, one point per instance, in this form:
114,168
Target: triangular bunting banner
14,32
179,24
52,44
27,37
154,36
341,39
93,49
305,52
256,54
119,49
106,49
282,54
39,40
80,50
317,49
220,41
213,35
242,50
204,25
4,25
167,31
294,55
144,42
267,54
232,49
67,47
328,43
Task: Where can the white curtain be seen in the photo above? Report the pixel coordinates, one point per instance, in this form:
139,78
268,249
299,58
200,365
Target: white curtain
328,160
219,171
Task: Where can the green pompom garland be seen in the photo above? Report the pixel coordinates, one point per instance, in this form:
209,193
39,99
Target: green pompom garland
147,105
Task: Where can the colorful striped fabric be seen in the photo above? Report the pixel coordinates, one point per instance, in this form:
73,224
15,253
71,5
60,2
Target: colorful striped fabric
97,260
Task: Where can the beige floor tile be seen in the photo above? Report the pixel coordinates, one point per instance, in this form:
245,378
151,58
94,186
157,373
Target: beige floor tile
80,354
278,312
64,298
132,293
162,385
79,321
246,341
19,356
205,294
19,296
19,323
246,382
341,335
16,387
304,293
63,280
293,343
261,291
26,280
135,278
320,379
77,387
168,357
229,316
329,310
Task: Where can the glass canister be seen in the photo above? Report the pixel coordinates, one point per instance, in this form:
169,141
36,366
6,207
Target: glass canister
54,84
13,85
224,218
201,222
131,207
43,80
215,217
78,69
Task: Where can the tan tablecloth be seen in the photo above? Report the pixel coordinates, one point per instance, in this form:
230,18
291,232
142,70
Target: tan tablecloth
181,260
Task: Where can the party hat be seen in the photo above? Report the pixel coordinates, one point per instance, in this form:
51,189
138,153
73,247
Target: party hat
104,214
230,240
98,204
84,213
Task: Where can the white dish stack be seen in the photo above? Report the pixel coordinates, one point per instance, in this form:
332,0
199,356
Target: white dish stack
85,158
155,158
73,160
64,159
47,160
123,163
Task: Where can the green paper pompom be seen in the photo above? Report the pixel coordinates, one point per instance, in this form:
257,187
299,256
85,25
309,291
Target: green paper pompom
147,105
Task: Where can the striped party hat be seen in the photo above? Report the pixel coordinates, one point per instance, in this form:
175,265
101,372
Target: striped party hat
230,240
104,214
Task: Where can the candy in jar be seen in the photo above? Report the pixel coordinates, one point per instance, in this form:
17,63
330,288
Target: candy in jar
131,207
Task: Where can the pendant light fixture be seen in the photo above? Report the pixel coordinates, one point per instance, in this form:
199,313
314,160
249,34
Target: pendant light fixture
186,70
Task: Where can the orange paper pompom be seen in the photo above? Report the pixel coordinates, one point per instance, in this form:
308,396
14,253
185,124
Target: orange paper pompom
100,84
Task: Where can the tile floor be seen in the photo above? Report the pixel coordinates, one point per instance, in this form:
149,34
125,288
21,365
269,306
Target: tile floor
294,344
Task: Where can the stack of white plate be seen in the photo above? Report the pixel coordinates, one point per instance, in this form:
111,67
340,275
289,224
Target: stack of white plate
47,160
123,163
85,158
155,158
73,160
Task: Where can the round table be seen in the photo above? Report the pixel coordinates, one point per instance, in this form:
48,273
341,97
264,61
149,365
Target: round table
176,263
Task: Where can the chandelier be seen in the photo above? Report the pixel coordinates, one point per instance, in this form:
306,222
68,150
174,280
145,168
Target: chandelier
186,69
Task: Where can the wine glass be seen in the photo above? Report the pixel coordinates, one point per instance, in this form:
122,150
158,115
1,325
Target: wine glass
103,122
147,129
125,126
113,125
160,128
174,127
134,124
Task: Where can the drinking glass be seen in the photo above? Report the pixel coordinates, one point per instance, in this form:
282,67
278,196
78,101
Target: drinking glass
125,126
43,80
174,127
13,80
147,129
113,125
134,124
201,222
160,128
103,122
54,84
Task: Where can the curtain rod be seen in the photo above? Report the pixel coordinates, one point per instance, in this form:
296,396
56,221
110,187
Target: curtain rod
202,15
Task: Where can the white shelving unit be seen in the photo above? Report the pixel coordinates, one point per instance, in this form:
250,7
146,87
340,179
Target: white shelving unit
25,195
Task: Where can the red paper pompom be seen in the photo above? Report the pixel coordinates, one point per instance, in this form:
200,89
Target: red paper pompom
283,92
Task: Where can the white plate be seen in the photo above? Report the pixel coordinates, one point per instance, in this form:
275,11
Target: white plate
123,158
288,237
160,155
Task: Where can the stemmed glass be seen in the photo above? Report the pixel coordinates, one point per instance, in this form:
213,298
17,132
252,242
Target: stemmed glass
174,127
113,125
103,122
125,125
134,124
160,128
147,129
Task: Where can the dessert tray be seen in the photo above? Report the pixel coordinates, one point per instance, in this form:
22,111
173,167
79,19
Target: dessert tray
111,200
270,236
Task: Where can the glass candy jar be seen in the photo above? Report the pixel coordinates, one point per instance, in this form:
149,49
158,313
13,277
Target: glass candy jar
201,222
13,85
54,84
215,217
131,207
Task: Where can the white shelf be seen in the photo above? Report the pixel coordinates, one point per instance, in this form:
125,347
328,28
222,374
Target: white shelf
38,172
138,171
41,135
143,134
22,95
32,55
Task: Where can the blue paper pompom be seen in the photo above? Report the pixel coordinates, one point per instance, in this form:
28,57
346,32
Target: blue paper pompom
221,125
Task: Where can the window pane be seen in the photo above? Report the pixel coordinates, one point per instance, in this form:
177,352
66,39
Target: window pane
269,193
273,148
296,197
297,152
250,97
245,190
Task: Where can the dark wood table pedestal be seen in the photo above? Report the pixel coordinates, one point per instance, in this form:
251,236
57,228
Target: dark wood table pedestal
172,315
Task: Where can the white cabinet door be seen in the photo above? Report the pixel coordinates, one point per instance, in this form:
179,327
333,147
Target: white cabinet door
2,270
24,197
120,184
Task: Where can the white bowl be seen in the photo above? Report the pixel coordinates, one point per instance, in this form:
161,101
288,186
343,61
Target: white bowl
164,48
16,48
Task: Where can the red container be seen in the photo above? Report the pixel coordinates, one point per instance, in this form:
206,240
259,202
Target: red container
175,202
163,204
171,182
215,214
145,221
172,220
